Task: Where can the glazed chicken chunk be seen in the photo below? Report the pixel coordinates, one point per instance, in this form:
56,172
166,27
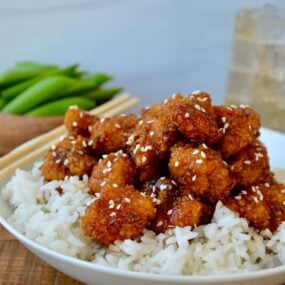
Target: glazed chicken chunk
71,156
200,171
118,214
113,169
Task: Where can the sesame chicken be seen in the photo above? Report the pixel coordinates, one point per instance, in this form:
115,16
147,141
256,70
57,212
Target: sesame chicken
118,214
115,169
79,122
200,172
111,134
250,165
71,156
168,167
239,127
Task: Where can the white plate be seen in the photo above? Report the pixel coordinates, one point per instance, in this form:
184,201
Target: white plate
94,274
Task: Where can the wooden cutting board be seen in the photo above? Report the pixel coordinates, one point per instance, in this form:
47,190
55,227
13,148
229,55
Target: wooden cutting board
20,266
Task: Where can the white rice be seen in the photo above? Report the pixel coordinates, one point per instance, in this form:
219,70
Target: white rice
227,245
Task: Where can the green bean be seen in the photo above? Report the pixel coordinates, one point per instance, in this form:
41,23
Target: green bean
22,73
59,107
98,78
45,90
2,103
102,95
11,92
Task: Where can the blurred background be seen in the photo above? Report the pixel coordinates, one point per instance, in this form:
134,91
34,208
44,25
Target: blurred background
234,50
153,48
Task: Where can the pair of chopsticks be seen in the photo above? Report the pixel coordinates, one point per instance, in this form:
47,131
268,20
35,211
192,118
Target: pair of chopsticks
33,149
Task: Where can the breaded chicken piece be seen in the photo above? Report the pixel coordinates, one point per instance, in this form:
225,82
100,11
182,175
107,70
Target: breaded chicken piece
71,156
274,194
188,211
194,117
110,134
115,169
239,127
200,171
149,144
250,165
250,204
79,122
118,214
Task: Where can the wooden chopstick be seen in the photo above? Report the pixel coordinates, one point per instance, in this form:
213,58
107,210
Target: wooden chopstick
32,156
55,133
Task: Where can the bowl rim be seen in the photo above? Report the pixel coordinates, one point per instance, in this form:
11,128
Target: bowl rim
231,277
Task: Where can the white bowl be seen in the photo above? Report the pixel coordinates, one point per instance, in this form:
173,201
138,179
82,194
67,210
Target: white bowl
94,274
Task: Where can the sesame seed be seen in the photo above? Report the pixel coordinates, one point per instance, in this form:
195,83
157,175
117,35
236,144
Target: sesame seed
84,143
115,185
162,187
97,195
194,177
102,183
109,163
66,161
165,101
173,182
112,214
81,115
136,148
243,192
127,200
196,92
187,115
74,124
224,119
160,223
203,154
176,163
54,154
195,151
190,197
197,107
266,184
144,159
283,202
242,106
232,167
247,162
250,127
53,147
169,212
102,120
73,107
117,126
104,155
237,197
204,145
199,161
255,199
202,99
149,121
233,106
283,191
90,142
226,125
253,188
58,161
157,202
118,207
151,133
